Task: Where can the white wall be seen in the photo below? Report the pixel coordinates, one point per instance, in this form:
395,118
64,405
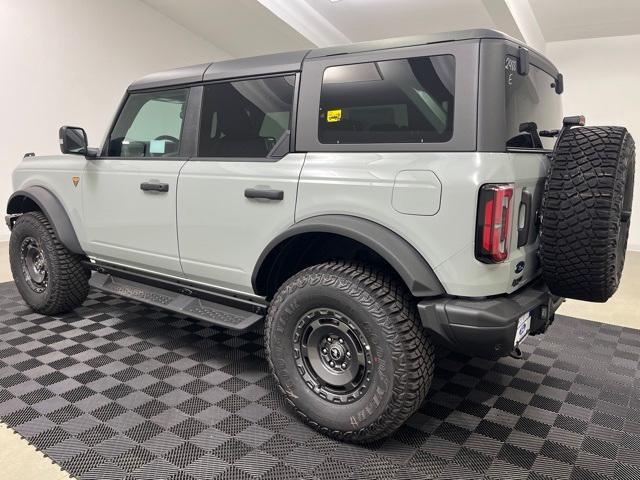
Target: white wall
68,62
601,77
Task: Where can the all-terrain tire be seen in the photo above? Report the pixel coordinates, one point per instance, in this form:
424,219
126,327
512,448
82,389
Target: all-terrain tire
402,356
67,284
586,211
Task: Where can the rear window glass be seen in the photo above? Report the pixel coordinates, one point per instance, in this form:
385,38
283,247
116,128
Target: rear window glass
395,101
530,98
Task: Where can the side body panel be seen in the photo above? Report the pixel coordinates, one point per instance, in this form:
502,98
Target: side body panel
362,184
206,229
427,193
221,232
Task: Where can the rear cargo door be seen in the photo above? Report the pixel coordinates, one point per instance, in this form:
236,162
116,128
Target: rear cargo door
532,105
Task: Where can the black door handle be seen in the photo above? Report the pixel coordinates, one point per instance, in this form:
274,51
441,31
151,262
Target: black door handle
264,193
154,187
523,233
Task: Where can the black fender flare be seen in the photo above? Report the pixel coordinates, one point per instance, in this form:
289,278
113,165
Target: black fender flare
410,265
49,204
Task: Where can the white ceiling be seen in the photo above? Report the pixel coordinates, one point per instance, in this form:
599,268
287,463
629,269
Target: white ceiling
241,28
574,19
253,27
362,20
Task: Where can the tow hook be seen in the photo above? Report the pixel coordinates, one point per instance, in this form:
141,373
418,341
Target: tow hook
516,353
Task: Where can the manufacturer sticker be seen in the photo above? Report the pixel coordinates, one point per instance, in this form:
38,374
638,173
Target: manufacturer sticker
334,115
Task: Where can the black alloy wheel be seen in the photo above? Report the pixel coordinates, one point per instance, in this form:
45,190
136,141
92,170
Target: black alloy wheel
333,355
34,265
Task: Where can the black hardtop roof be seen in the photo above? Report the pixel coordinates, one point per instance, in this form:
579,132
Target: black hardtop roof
292,61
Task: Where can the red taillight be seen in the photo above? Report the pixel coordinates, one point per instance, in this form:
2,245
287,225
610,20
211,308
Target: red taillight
493,229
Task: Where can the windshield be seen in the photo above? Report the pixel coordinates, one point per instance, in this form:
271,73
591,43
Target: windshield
530,98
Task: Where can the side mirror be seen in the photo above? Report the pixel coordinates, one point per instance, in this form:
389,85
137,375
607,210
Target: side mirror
73,140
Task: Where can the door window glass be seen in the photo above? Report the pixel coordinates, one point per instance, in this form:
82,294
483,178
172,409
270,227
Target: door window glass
394,101
245,118
149,125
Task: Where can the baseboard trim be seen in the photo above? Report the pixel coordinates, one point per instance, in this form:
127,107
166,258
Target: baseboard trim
634,247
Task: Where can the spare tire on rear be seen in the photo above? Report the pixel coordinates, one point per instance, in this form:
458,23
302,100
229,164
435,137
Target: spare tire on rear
586,210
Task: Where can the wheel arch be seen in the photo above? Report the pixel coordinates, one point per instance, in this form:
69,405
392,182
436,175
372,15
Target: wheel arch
37,198
395,251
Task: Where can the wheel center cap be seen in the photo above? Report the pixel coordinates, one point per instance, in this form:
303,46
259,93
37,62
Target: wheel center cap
336,351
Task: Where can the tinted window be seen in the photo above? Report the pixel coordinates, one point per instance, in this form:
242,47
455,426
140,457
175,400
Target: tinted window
245,118
530,98
394,101
149,125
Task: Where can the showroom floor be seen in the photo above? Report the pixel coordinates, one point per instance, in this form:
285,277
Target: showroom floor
559,436
19,459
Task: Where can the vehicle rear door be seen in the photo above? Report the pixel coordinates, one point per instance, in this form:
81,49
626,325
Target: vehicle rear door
530,99
240,190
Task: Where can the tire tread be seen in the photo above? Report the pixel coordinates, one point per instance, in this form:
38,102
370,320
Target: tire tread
69,279
581,241
411,347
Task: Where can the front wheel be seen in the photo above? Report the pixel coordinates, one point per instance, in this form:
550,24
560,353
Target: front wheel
347,350
50,278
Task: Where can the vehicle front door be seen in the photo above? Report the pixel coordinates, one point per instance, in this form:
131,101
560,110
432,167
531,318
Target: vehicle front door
240,190
129,193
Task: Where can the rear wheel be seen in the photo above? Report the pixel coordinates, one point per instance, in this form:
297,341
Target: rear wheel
586,212
49,277
348,352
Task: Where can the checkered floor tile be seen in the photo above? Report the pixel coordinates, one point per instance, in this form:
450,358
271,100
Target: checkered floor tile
119,390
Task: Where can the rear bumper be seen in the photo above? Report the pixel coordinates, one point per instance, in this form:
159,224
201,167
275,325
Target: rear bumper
487,327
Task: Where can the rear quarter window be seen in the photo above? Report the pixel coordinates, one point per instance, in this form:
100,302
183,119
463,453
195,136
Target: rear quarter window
394,101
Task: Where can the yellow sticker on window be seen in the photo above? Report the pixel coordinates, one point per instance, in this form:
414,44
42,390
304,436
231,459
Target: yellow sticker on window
334,115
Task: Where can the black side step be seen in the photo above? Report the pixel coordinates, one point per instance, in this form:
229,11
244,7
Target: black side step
184,286
216,313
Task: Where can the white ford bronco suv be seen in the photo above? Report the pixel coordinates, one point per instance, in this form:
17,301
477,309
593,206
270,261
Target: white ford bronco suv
370,201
